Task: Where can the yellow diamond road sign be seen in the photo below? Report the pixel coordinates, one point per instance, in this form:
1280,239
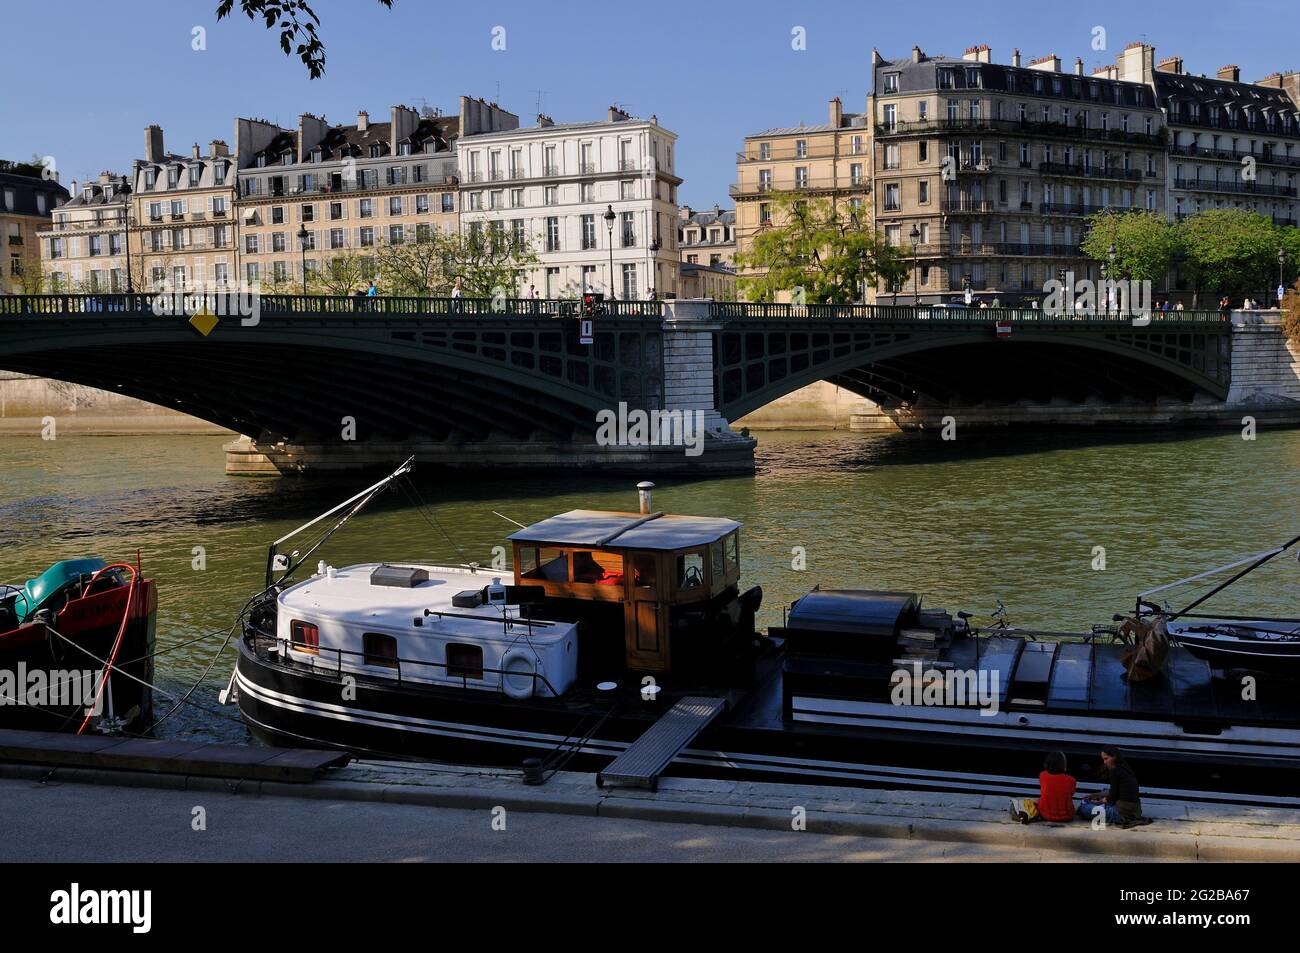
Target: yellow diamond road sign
204,322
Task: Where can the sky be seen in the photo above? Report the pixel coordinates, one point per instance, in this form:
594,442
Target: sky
80,79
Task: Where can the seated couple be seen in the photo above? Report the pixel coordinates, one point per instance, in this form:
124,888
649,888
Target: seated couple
1121,804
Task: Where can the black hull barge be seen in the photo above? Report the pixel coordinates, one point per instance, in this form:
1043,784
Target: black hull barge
624,646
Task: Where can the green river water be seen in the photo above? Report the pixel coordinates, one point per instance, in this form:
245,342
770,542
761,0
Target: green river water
1011,516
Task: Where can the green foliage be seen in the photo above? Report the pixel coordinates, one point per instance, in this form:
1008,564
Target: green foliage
1230,251
1291,314
295,20
485,261
1145,244
820,248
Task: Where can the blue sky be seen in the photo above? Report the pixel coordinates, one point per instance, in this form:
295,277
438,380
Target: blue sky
83,77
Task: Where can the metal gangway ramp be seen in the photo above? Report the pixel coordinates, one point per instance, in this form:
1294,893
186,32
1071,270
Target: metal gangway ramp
645,759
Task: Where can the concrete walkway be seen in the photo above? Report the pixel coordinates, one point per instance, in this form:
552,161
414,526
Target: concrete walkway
918,824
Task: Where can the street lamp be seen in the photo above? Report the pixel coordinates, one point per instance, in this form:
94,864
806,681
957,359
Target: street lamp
303,236
1281,262
1106,303
966,289
126,227
1111,255
915,235
652,278
610,219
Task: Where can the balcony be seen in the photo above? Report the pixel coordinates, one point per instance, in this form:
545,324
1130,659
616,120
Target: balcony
1012,249
1077,171
1249,188
966,206
820,184
586,168
1234,155
1060,208
15,239
1051,130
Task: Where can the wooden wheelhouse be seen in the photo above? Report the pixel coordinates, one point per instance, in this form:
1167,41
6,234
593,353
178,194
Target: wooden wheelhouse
658,567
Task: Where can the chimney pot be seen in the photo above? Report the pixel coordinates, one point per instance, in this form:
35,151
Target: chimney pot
1231,73
643,496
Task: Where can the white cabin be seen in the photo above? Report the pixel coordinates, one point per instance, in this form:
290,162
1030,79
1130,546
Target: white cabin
401,623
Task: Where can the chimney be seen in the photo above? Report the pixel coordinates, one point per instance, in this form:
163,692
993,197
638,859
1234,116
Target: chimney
876,58
477,116
643,496
979,54
311,132
617,115
402,123
544,120
363,121
916,54
1136,63
153,143
194,151
1050,63
1078,66
1170,64
1015,57
836,113
1231,73
218,147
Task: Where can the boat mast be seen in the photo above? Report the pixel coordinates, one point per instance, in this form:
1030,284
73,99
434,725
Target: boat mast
365,496
1254,563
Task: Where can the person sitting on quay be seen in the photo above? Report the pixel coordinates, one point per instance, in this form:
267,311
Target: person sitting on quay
1122,803
1055,794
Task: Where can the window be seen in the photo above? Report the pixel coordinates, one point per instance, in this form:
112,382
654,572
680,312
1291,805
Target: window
891,82
547,563
252,244
717,562
421,204
892,199
690,570
588,231
304,637
395,205
629,231
923,151
336,238
367,237
448,202
336,211
464,661
381,650
366,208
552,233
629,283
733,552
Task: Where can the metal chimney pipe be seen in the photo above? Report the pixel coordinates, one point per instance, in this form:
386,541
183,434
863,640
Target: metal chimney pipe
643,492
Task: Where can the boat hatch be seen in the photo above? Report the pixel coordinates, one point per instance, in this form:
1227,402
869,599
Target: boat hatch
1033,674
399,577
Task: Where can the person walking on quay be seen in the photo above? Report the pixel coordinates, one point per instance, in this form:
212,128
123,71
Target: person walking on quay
1122,802
457,293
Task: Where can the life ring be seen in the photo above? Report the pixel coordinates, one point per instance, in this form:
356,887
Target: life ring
517,671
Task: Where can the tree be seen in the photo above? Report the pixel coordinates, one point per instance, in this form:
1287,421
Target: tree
1229,251
1145,244
1291,314
819,248
342,274
485,261
296,21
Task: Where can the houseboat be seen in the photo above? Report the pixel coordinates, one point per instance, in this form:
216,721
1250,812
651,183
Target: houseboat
59,630
624,643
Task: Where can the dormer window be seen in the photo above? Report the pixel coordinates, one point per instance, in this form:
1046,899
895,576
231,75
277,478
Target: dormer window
261,162
196,173
404,149
316,155
150,176
286,158
173,176
376,151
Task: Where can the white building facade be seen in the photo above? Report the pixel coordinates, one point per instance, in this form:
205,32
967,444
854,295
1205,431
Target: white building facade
555,184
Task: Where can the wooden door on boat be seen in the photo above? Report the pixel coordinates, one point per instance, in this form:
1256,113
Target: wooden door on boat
645,614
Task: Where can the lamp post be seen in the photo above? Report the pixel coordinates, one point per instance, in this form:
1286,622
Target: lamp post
1281,283
966,296
303,236
652,273
126,227
1106,303
610,219
915,235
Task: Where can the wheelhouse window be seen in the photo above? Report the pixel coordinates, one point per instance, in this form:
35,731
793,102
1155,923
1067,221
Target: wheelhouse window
304,637
717,561
690,570
733,552
644,572
603,569
548,563
464,661
379,649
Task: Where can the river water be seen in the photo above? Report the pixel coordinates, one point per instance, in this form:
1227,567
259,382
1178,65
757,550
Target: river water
1011,516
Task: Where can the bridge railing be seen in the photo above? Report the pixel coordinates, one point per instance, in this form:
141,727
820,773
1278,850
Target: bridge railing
724,310
235,302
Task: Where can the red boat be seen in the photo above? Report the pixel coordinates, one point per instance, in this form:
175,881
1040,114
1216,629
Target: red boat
59,631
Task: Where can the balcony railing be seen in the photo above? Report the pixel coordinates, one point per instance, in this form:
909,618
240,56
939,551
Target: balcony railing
966,206
1255,188
1234,155
1069,208
1076,170
817,184
1027,127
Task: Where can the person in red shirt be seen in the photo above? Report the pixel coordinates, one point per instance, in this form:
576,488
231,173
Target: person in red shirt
1055,794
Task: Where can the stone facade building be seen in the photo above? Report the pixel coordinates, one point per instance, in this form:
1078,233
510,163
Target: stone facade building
27,204
554,184
351,188
707,237
85,248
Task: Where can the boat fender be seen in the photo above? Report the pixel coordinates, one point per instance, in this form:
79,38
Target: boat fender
517,667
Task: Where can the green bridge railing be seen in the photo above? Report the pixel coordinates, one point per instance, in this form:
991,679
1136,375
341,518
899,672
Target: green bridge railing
289,304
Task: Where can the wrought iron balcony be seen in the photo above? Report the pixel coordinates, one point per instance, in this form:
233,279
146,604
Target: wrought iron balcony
1247,187
1076,170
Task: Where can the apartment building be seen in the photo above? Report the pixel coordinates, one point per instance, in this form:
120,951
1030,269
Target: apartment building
985,174
1231,144
825,161
27,204
85,247
322,189
181,217
580,194
707,237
